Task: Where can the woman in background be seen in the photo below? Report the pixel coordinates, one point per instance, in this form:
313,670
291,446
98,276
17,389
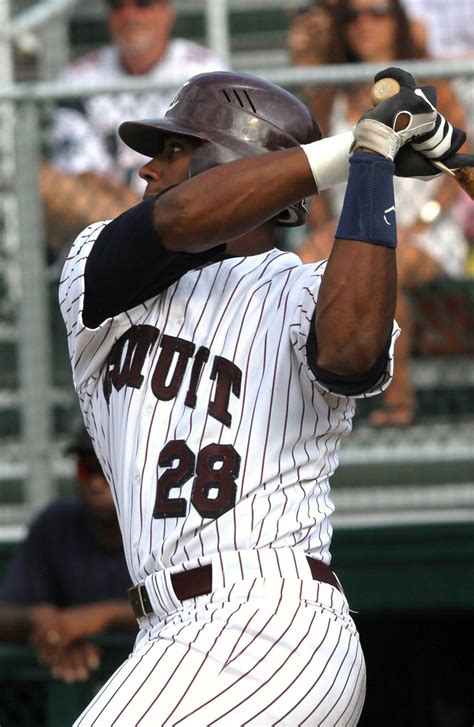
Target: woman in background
431,242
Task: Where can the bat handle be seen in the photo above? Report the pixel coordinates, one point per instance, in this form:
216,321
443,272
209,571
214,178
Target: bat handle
383,89
443,168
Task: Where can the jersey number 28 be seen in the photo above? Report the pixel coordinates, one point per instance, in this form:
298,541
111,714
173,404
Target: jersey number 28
214,488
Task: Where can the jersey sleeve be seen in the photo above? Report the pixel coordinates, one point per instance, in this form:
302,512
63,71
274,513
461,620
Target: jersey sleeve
302,335
88,347
129,265
113,272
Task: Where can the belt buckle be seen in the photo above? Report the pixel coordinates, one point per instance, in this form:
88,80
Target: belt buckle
135,597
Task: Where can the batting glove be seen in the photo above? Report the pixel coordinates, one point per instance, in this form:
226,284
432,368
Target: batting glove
378,128
443,140
411,163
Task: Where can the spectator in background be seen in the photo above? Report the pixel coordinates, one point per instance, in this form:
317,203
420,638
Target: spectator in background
449,33
448,26
431,242
68,580
93,175
314,39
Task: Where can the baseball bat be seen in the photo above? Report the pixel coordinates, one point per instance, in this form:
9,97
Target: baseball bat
387,87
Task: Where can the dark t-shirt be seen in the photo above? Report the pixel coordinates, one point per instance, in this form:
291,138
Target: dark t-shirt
61,562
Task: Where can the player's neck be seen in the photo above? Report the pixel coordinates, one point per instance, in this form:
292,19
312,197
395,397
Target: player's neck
254,242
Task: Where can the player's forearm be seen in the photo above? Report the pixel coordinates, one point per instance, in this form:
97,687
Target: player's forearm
356,306
357,298
230,200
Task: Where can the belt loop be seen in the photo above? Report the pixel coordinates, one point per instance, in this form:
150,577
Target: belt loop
161,593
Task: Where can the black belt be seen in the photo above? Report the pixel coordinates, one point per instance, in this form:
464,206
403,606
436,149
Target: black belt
198,582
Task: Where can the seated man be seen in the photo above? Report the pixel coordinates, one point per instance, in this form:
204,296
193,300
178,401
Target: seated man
93,174
68,580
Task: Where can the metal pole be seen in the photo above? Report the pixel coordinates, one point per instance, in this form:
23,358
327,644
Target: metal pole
37,16
34,330
6,79
6,63
54,51
217,27
285,76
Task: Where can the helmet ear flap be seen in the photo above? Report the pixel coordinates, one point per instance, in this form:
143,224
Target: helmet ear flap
293,216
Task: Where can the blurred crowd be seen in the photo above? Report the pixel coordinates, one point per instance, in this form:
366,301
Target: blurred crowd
91,175
434,221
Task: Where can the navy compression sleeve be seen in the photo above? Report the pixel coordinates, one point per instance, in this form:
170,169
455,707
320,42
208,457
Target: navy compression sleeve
128,265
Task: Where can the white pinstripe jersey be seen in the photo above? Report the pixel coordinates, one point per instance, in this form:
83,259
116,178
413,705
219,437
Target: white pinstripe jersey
208,421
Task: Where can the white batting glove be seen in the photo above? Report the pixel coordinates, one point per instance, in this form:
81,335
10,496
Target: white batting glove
443,140
376,129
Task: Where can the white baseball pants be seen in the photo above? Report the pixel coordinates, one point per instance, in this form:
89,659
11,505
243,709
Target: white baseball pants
269,646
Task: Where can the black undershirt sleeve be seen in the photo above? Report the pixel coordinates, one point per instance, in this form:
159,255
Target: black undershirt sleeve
128,265
346,385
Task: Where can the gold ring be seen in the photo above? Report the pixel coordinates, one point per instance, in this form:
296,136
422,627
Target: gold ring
52,637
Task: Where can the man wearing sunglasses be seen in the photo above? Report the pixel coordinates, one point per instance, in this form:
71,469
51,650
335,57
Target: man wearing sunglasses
93,175
67,580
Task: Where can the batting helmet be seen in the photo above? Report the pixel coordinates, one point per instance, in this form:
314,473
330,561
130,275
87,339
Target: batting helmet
235,115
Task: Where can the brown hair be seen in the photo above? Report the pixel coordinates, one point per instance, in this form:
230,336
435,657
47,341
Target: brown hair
405,44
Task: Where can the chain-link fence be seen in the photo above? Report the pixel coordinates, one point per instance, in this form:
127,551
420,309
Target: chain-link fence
420,473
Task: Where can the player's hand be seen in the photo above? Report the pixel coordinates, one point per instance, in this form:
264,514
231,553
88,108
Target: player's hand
76,663
400,119
411,163
443,140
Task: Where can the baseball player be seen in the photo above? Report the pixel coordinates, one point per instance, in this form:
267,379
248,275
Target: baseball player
217,376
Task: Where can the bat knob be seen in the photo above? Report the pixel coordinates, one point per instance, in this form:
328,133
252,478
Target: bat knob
383,89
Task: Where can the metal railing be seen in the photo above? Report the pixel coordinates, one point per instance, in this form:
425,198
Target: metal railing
34,458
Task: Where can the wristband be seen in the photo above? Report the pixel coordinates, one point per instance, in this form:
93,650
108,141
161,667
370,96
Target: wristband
368,213
329,159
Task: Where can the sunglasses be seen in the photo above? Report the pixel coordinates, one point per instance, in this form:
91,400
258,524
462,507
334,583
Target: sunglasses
375,11
119,4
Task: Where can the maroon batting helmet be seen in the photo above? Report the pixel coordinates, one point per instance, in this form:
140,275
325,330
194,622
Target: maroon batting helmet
235,115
